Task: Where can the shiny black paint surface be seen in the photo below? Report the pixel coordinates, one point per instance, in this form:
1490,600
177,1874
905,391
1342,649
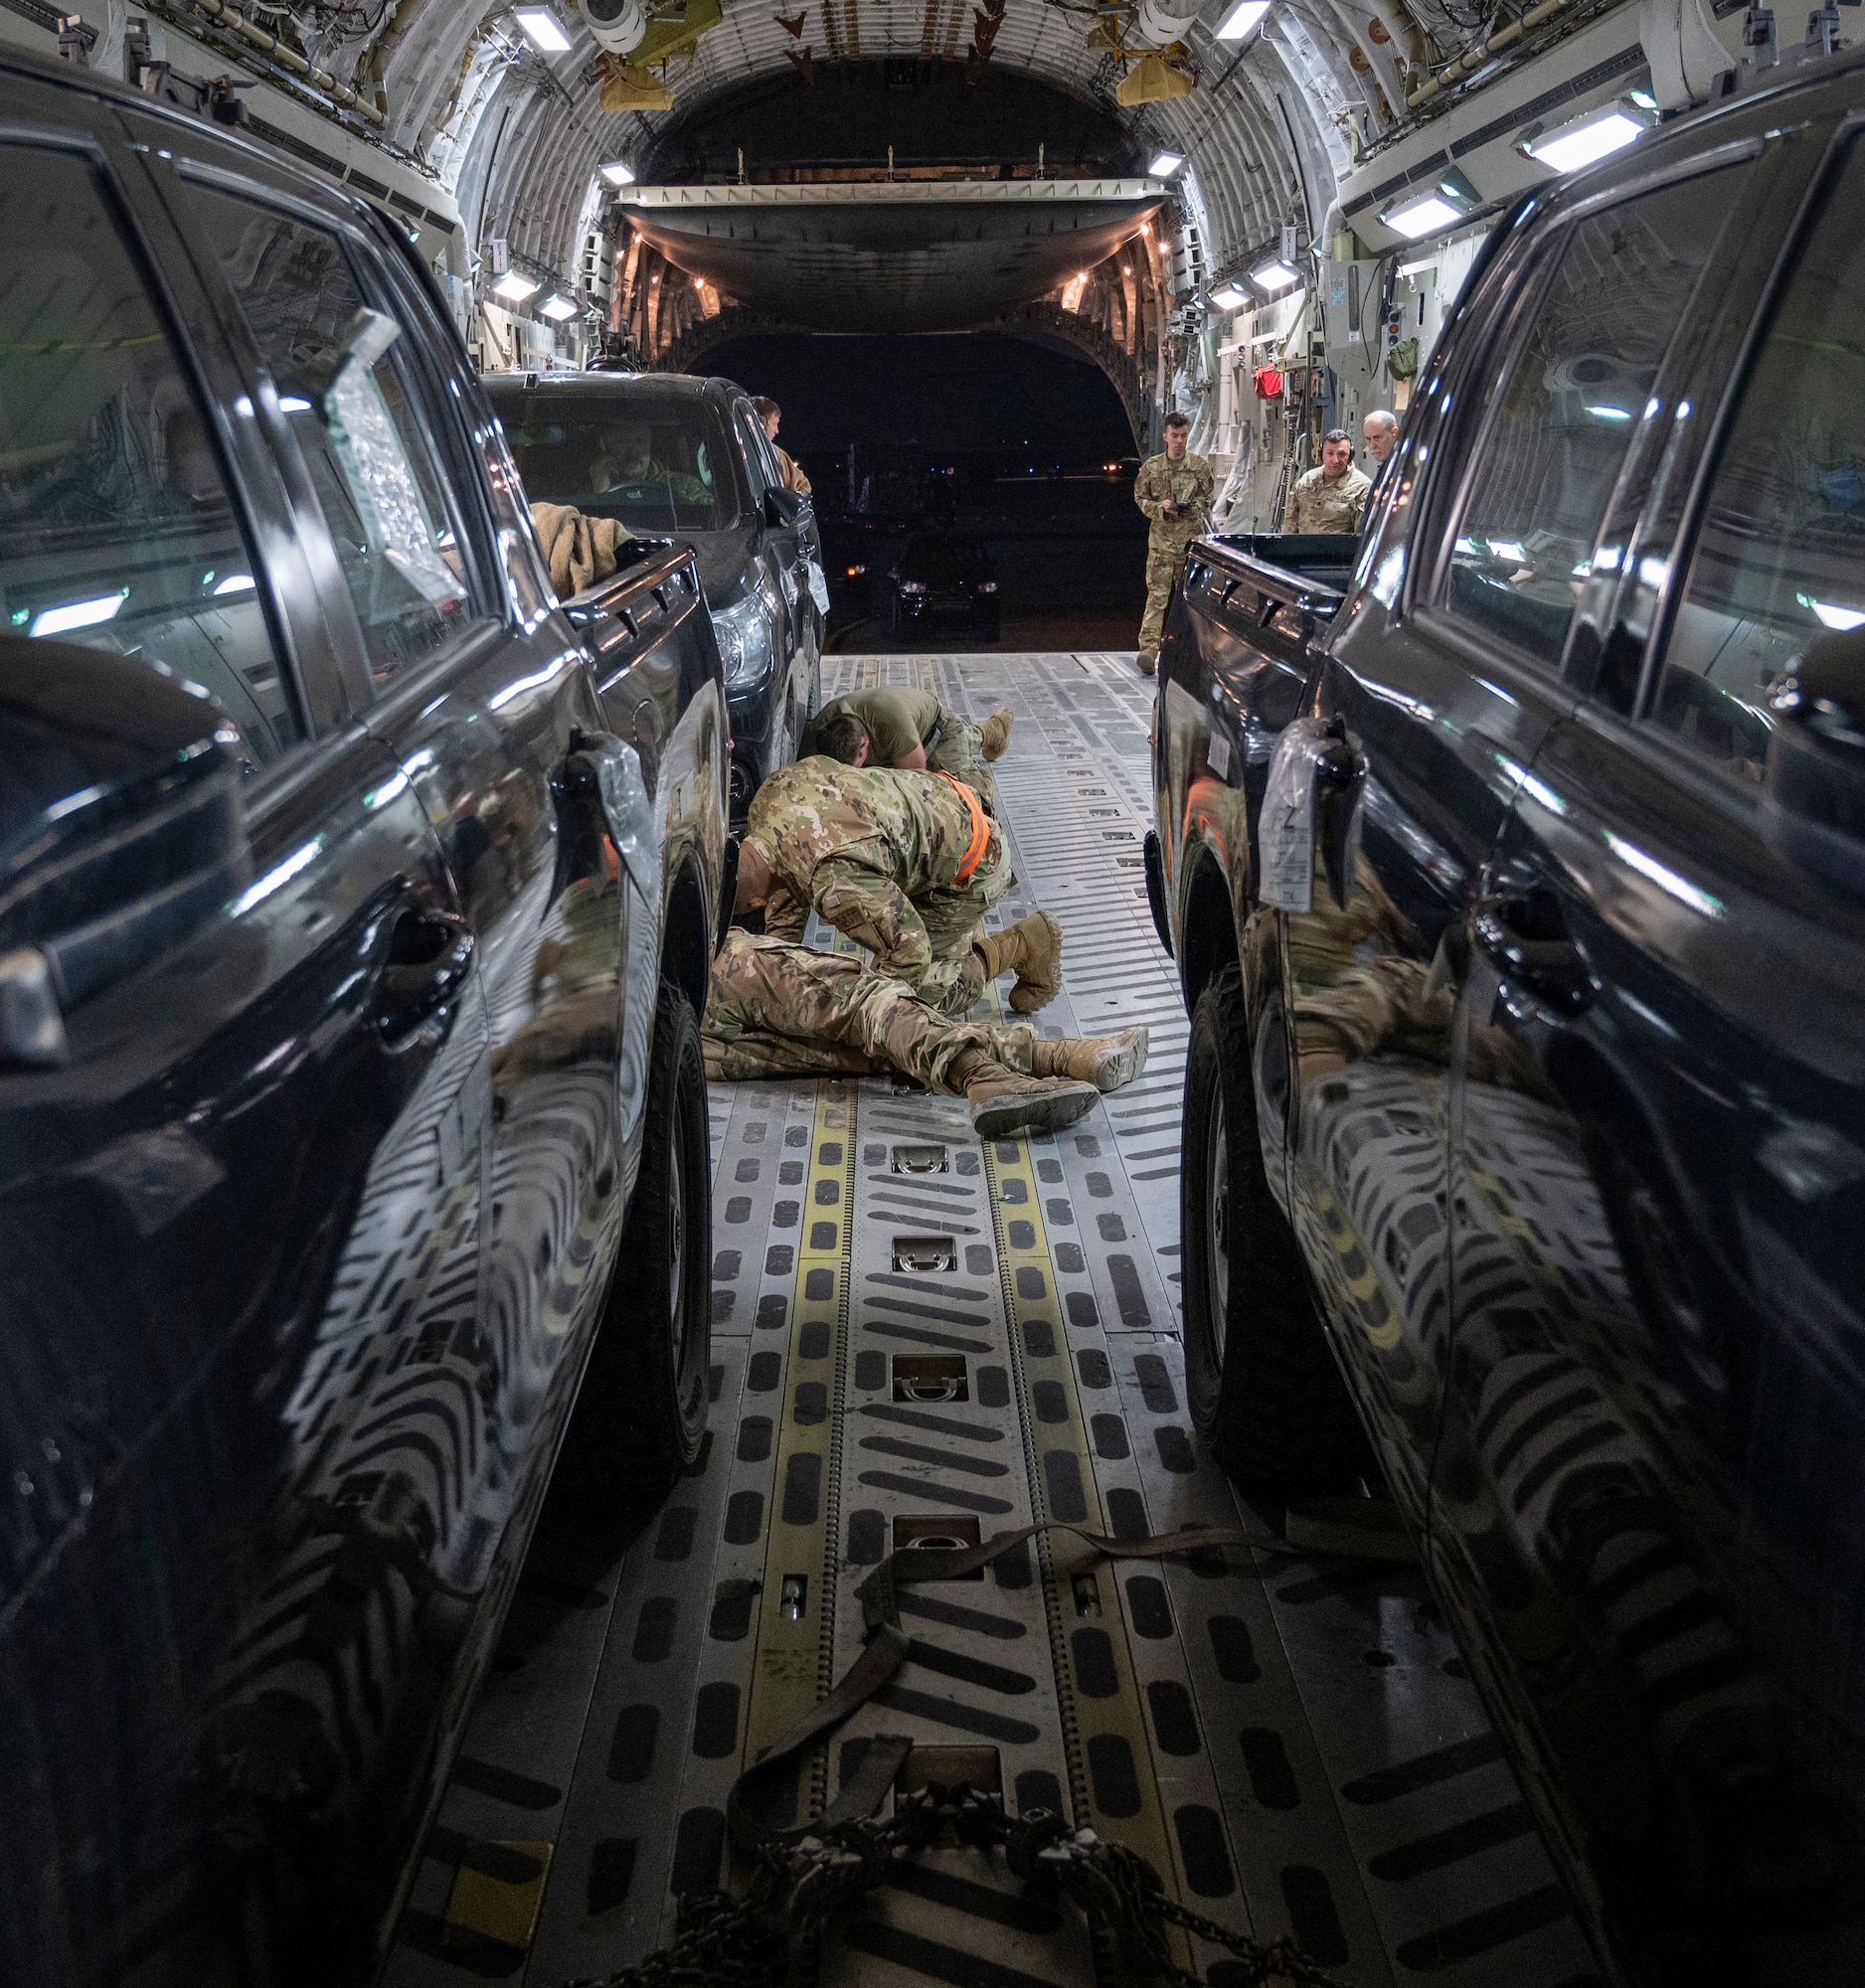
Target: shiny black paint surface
1577,1140
302,1250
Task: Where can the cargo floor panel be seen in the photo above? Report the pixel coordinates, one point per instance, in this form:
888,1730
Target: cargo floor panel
919,1337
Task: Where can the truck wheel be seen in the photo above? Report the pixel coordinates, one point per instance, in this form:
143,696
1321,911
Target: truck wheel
1266,1397
642,1414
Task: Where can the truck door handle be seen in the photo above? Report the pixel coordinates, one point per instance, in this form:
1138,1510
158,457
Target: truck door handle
1544,962
1339,781
430,953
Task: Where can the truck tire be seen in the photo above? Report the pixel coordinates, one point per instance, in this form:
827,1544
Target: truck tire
1266,1397
642,1414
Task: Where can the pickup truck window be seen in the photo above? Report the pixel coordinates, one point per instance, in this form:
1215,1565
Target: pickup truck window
382,495
116,529
1567,406
1779,558
653,458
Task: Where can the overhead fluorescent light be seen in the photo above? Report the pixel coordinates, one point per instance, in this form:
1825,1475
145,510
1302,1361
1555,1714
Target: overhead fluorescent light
78,614
1831,614
515,286
1241,19
1230,297
619,173
543,27
1604,412
1273,275
235,583
558,308
1165,164
1421,217
1566,152
1421,268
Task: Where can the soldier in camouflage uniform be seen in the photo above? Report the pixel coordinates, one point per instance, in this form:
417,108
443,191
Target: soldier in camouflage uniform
781,1010
912,732
1175,491
1333,497
879,855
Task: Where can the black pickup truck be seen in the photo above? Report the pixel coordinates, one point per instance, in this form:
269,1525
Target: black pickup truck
356,913
1518,881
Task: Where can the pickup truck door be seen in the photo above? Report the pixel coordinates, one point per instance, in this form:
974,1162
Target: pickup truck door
1652,1445
485,709
1443,708
178,1197
1369,972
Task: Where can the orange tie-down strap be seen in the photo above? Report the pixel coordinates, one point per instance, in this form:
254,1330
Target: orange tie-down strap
980,831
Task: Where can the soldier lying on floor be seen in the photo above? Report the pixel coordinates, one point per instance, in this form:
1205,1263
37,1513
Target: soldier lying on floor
781,1010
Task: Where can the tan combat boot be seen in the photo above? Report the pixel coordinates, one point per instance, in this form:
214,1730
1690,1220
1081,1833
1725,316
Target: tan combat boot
1106,1061
1004,1101
994,733
1032,948
1148,664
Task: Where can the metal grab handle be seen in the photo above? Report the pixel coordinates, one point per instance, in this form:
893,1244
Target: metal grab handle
1553,971
945,1390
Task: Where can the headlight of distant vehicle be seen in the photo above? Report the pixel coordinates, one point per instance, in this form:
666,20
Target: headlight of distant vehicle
988,586
747,643
913,586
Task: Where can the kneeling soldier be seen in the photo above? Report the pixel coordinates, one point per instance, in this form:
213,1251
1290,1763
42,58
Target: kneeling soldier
912,732
907,865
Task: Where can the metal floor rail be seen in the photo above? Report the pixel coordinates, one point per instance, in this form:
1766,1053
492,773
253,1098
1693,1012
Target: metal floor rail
917,1336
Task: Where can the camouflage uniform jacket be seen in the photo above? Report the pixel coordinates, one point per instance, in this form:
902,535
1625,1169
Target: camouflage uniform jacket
1190,483
1323,503
861,844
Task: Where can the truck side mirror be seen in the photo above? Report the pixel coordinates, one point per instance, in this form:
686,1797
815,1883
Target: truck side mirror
1815,784
121,830
782,506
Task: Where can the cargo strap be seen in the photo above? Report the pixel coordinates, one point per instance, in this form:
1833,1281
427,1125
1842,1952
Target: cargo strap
980,838
806,1875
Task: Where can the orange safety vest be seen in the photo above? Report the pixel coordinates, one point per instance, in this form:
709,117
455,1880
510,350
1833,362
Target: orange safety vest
980,831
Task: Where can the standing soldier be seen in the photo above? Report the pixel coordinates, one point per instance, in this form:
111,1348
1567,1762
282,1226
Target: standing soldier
1333,497
778,1010
1175,491
1381,429
912,732
772,417
907,865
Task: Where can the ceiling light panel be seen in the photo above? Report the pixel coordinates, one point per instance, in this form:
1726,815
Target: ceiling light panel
1582,144
1241,19
1425,215
543,29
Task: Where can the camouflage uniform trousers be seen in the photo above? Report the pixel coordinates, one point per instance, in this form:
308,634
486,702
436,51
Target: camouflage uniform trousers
952,918
780,1010
961,752
1165,560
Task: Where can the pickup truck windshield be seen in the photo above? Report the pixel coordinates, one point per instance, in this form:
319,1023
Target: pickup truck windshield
657,462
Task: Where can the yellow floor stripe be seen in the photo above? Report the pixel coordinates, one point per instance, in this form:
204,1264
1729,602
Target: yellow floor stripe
795,1631
1040,1349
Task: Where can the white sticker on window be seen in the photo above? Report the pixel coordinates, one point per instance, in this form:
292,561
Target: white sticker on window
381,481
1285,830
819,588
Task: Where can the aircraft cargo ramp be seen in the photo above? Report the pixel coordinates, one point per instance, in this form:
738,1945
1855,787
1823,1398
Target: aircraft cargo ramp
916,1336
